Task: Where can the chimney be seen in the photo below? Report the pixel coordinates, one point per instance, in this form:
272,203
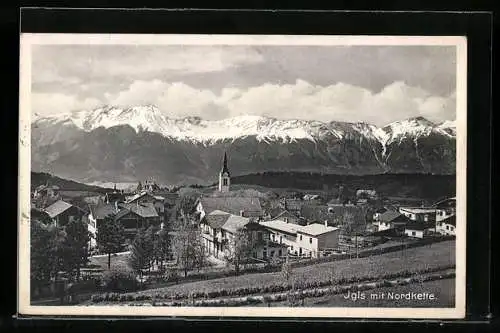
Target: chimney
326,223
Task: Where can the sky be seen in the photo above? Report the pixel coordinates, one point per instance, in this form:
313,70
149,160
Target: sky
373,84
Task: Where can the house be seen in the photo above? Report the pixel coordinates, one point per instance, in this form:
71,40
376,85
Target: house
418,229
367,194
316,237
61,213
419,214
46,190
219,229
97,214
447,226
289,217
242,206
391,220
134,216
145,197
310,240
319,214
378,212
445,208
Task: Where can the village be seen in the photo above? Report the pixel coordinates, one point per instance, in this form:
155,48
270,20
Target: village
223,229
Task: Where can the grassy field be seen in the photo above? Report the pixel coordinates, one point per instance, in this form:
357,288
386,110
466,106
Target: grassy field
434,255
117,260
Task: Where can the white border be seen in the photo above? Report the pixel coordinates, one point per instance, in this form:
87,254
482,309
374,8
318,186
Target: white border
27,40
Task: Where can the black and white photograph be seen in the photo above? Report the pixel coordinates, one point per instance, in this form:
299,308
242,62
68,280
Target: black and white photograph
249,175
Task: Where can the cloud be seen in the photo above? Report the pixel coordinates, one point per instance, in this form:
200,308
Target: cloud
301,100
54,103
65,63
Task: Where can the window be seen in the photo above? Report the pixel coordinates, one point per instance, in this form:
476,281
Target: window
264,254
413,233
272,253
259,235
300,237
447,227
254,254
452,228
310,240
280,253
281,239
285,219
224,182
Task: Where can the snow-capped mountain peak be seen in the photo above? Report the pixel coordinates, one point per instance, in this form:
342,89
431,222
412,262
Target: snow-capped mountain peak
195,129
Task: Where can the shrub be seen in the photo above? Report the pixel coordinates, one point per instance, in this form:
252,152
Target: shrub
119,279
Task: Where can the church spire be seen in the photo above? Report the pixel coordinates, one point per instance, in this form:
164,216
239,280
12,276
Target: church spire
225,169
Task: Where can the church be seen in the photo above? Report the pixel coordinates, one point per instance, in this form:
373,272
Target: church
236,205
224,176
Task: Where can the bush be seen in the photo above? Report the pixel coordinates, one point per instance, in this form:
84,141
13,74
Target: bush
171,275
119,279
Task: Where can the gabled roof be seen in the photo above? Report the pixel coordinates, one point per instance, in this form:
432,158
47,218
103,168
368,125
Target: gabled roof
57,208
392,216
145,210
235,223
216,219
285,213
449,202
138,196
232,205
101,211
451,220
316,229
418,210
282,226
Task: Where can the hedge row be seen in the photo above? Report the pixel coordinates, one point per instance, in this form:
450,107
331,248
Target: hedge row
274,288
299,295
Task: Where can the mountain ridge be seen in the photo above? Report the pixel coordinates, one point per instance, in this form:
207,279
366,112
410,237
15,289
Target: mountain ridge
116,144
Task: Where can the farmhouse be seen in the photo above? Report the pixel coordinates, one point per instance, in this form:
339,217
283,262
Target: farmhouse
391,220
418,229
447,226
62,213
445,208
134,216
145,197
219,229
310,240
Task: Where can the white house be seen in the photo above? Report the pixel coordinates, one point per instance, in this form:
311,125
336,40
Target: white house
309,240
447,226
421,214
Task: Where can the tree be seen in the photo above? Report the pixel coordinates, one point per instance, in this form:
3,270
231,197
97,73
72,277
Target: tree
138,259
45,250
75,252
162,247
238,249
110,237
185,246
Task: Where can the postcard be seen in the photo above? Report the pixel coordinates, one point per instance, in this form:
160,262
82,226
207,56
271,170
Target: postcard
242,176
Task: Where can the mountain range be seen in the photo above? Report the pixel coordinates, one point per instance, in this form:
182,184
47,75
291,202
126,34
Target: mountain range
129,144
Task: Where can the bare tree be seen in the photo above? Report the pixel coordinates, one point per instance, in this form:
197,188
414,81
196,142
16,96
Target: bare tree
238,249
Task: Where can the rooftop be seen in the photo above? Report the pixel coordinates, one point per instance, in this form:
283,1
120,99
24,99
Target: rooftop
144,210
280,225
57,208
232,205
418,210
316,229
234,223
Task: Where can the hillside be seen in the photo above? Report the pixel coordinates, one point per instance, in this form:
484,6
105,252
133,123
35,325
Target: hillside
42,178
431,187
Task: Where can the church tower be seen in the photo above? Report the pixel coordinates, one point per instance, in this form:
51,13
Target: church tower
224,177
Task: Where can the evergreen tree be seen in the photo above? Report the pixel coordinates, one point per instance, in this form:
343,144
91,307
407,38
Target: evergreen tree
110,237
75,254
45,251
185,247
138,259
